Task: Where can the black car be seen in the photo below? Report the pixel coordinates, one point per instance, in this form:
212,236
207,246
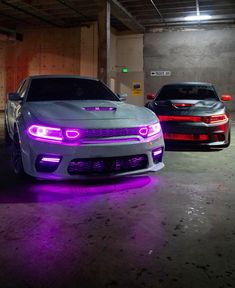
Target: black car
192,114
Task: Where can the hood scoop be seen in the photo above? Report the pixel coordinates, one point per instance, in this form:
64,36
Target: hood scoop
99,108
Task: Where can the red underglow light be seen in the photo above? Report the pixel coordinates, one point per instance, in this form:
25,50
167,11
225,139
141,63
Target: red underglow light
186,137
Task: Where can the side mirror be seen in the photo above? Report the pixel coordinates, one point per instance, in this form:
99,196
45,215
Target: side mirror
226,97
150,96
122,96
14,96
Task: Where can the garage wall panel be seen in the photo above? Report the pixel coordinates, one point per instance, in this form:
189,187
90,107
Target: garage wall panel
203,55
2,75
43,51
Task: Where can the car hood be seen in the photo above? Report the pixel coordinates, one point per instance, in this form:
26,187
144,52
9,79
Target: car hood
88,113
202,107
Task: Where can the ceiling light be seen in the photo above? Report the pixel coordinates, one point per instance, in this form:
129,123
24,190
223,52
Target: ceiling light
197,17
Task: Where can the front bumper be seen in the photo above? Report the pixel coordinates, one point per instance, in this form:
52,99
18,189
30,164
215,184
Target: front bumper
212,135
31,149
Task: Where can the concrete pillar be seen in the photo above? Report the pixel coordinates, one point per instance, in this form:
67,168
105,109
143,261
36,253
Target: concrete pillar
103,40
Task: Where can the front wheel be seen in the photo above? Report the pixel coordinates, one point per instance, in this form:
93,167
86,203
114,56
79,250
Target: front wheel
7,137
16,157
229,140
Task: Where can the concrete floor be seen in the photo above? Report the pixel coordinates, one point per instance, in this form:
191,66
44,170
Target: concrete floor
175,228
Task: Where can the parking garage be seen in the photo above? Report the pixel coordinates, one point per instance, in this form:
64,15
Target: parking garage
170,228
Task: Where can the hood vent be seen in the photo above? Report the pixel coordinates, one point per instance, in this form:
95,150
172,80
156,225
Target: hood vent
99,108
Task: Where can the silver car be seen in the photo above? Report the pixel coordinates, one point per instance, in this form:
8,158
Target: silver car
64,126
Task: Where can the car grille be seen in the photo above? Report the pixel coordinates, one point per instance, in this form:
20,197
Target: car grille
109,165
100,133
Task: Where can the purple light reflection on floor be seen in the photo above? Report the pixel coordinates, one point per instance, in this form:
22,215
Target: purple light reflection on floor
51,192
44,244
59,240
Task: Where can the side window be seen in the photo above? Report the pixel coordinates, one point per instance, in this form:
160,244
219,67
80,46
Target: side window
22,88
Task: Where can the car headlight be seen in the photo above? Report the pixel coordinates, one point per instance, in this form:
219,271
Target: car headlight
69,135
150,130
154,129
52,133
44,132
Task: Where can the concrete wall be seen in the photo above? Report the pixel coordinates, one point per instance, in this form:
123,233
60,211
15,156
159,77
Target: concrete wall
112,62
129,49
204,55
89,50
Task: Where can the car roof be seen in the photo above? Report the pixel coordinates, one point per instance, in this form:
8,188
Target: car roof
60,76
189,83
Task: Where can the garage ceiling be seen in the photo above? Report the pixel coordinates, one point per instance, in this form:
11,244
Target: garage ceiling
165,13
144,14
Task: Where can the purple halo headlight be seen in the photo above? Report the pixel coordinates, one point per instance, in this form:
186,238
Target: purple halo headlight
49,133
143,131
72,134
154,129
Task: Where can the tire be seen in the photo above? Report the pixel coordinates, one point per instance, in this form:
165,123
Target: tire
229,140
16,157
6,135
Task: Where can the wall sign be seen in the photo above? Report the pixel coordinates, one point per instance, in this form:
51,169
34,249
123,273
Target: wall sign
160,73
136,88
125,70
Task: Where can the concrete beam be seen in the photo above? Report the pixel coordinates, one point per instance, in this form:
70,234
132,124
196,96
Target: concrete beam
103,40
119,12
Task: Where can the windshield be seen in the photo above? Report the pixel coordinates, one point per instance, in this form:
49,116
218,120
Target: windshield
56,89
187,92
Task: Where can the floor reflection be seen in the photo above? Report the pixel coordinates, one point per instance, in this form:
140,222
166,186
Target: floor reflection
51,191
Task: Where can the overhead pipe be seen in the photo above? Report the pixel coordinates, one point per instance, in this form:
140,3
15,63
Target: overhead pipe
159,13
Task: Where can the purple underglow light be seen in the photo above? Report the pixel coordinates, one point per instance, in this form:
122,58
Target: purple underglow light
44,132
50,159
75,190
72,134
143,131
